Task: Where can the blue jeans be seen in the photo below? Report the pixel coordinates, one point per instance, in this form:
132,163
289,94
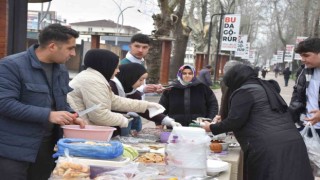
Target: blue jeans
135,124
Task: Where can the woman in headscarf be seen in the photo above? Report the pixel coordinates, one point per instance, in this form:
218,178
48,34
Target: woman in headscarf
188,98
257,115
91,87
125,84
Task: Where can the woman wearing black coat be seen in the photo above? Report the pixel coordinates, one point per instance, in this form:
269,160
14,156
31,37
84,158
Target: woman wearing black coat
273,148
188,98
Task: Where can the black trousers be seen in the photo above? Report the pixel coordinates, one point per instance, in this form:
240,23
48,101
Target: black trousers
21,170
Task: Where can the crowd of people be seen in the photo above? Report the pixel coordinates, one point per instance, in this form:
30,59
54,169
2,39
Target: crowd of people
36,98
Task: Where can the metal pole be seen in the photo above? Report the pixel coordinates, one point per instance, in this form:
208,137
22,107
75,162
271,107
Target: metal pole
118,30
209,40
218,47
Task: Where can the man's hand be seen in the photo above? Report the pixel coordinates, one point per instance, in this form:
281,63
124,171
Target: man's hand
206,126
315,117
217,119
80,122
152,88
61,117
65,118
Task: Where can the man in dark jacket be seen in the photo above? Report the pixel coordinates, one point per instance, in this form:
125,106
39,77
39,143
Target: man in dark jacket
286,75
205,75
33,89
305,96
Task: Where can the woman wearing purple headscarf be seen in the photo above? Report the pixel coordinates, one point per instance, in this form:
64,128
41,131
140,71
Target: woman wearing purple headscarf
189,98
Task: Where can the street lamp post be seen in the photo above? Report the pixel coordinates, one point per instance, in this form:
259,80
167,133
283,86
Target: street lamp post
218,45
117,28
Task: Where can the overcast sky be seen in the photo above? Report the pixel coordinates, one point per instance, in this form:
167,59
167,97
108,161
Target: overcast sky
87,10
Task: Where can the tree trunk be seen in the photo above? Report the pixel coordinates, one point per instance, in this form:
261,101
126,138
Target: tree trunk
181,34
163,23
153,61
306,17
180,47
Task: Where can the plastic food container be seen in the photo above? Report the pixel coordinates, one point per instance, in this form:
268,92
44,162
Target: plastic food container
90,132
164,136
214,167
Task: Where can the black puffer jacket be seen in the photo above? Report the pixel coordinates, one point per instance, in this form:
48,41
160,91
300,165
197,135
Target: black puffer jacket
186,103
298,100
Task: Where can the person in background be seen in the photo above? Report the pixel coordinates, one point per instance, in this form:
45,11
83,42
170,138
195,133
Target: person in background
276,71
139,48
304,104
264,72
91,87
272,146
205,75
33,88
125,84
188,98
286,75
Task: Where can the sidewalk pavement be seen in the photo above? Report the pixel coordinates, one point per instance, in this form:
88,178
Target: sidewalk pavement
286,93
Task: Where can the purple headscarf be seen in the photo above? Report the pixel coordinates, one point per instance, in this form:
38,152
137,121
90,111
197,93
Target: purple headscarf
179,74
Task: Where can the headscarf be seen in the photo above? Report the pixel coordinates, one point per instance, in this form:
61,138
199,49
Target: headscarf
179,74
103,61
241,74
129,74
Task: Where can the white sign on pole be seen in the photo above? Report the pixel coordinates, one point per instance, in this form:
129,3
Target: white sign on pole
299,39
246,52
241,47
230,33
274,59
279,56
288,55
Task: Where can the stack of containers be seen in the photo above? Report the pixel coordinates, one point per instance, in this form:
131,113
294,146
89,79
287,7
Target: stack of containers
187,151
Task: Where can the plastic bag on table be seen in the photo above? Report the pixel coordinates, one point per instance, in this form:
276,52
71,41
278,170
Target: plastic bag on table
313,147
70,169
89,148
133,171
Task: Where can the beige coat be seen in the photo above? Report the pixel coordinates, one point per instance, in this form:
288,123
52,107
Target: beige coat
90,88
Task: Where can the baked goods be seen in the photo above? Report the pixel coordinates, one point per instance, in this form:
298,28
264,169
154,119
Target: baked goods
151,158
68,170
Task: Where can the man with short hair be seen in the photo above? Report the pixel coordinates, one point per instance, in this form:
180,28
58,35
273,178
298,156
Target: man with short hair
305,96
205,75
33,90
139,48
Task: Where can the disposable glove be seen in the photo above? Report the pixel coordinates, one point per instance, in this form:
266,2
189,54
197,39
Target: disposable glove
154,105
133,114
167,121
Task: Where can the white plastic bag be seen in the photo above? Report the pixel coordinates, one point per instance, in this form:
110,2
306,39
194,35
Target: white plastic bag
313,147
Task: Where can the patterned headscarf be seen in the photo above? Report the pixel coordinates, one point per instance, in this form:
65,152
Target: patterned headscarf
179,74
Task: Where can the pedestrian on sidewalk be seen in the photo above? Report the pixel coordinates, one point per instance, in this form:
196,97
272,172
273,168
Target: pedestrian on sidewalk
276,71
33,88
205,75
264,72
305,96
272,146
188,98
286,75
